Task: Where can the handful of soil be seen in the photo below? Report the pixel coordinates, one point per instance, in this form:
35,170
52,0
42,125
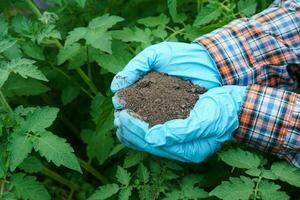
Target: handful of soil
157,98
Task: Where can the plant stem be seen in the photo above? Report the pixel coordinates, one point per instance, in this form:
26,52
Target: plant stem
88,63
256,187
88,81
93,171
176,33
4,102
60,179
34,8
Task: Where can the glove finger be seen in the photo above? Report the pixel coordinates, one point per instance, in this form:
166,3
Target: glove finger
138,66
118,103
195,151
136,142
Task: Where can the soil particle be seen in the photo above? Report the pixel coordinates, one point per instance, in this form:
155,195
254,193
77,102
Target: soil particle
157,98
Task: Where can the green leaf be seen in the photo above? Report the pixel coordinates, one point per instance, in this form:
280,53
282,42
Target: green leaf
287,173
209,14
133,158
102,113
99,39
123,176
99,144
6,44
26,187
194,193
247,7
68,52
125,193
20,145
39,119
234,189
104,22
81,3
172,6
76,35
143,173
56,150
3,27
104,192
17,86
133,35
21,24
117,60
269,191
160,32
240,158
68,94
31,165
4,74
161,20
25,68
33,51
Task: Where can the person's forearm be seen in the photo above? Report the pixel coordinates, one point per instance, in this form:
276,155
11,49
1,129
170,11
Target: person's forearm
270,121
259,49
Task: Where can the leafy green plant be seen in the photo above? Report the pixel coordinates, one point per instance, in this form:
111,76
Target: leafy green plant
56,132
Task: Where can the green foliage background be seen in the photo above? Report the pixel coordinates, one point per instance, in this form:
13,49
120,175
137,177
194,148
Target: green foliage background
56,117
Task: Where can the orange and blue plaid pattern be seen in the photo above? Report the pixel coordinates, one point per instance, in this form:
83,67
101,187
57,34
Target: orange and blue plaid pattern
263,49
270,122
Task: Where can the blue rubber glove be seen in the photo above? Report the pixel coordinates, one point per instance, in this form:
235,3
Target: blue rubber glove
188,61
211,122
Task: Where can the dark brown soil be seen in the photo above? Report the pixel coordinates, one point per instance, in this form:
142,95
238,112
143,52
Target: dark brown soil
157,98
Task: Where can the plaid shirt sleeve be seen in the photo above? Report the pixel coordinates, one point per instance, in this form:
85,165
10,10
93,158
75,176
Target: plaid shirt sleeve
263,49
270,121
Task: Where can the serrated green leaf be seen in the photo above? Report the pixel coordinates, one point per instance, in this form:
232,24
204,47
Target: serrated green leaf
99,144
34,51
3,27
6,44
125,193
190,180
104,192
25,68
99,39
56,150
116,149
123,176
269,191
240,158
194,193
234,189
81,3
48,32
117,60
17,86
104,22
14,52
68,52
143,173
133,35
133,158
253,172
76,35
4,74
39,119
31,165
207,15
19,148
160,32
247,7
21,24
68,94
287,173
26,187
161,20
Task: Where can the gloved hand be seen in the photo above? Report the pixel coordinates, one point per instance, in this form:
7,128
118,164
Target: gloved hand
188,61
210,123
191,139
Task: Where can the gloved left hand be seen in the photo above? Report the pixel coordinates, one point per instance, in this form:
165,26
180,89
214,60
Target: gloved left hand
210,123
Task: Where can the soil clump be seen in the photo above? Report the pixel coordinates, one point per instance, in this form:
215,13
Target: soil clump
157,98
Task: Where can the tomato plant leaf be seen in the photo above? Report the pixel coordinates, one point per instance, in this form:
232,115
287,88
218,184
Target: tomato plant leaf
161,20
240,158
68,52
234,189
123,176
209,14
287,173
269,191
26,187
56,150
247,7
104,192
